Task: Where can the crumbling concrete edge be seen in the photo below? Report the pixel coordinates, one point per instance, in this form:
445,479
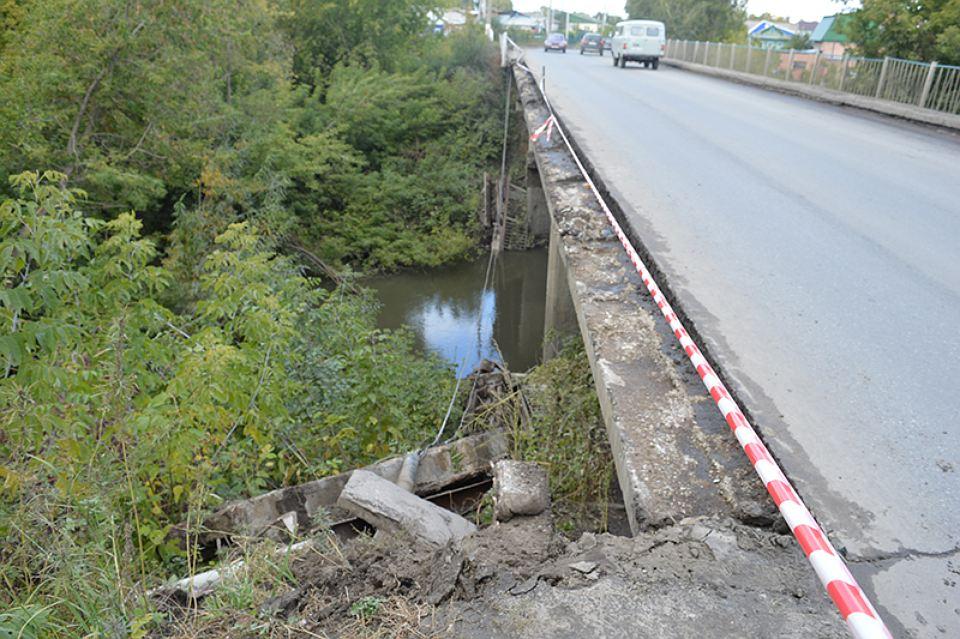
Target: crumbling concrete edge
829,96
667,466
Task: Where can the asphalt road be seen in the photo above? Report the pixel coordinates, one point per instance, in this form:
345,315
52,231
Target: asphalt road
817,250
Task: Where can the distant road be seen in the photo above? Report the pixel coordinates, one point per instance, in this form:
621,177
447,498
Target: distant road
817,249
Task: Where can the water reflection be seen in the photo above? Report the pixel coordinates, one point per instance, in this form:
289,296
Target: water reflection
451,314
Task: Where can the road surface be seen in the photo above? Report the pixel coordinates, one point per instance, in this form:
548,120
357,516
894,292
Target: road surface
817,250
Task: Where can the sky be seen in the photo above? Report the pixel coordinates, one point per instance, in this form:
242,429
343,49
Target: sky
793,9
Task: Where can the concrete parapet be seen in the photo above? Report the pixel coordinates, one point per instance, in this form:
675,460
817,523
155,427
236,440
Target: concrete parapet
886,107
673,459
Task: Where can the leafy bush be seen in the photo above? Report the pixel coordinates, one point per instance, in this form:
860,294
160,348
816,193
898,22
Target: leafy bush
120,417
153,365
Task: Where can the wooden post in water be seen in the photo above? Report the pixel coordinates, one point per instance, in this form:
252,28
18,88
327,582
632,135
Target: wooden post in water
484,212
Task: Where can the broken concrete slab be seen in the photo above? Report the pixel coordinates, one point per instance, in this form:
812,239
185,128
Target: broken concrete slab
519,488
439,467
390,508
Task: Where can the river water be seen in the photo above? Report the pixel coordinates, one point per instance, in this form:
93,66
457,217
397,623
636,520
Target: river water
451,314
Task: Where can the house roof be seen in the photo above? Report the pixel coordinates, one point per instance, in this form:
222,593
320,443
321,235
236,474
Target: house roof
582,19
516,19
771,31
829,29
806,27
765,25
454,18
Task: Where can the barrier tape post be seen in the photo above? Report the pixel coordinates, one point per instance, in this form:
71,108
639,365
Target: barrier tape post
861,617
547,127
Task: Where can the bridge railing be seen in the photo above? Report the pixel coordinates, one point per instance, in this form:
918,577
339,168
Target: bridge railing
928,85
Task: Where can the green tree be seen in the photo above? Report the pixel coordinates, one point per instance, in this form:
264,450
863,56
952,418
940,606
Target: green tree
11,12
799,41
324,33
118,415
714,20
127,99
911,29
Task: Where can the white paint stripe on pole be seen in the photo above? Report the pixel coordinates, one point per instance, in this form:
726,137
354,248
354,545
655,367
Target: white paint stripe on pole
862,618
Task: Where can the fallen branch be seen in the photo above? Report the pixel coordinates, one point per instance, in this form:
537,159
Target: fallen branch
328,270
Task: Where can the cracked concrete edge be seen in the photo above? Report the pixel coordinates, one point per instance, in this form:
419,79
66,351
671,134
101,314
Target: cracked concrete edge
829,96
666,472
899,555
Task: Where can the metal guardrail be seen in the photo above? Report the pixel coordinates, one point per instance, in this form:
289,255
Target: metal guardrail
928,85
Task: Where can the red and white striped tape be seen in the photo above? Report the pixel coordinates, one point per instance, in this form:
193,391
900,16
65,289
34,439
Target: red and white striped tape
861,617
547,127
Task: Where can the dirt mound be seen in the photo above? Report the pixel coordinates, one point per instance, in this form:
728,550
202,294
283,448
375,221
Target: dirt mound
703,577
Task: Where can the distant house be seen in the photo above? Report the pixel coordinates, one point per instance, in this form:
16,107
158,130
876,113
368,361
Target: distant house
580,22
519,21
449,21
806,27
829,38
770,35
574,23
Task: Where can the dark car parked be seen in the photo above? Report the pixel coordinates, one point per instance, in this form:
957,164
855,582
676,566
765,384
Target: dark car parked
555,41
591,42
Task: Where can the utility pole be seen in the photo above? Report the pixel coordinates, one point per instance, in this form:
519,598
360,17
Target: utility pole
566,26
550,22
488,19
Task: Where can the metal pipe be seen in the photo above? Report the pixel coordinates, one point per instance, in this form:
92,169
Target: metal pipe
816,63
843,69
883,76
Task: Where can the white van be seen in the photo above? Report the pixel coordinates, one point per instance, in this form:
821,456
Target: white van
641,41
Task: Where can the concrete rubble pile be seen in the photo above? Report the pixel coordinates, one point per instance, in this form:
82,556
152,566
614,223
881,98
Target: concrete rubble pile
507,573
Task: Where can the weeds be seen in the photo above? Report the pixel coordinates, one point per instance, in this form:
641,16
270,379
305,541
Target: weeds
364,609
565,434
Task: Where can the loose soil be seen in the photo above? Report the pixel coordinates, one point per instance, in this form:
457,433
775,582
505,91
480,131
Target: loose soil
520,579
